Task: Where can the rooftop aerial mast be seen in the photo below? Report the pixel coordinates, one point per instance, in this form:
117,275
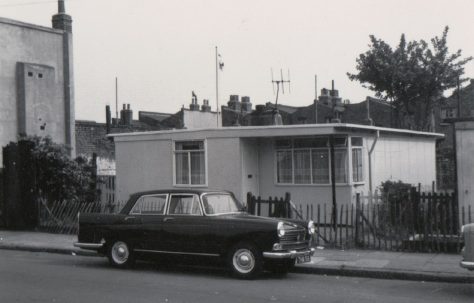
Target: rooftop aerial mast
281,82
277,120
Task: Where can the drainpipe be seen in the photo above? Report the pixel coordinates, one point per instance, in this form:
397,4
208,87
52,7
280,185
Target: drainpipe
333,182
370,160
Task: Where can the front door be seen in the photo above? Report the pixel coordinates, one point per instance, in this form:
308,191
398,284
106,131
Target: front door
148,212
250,166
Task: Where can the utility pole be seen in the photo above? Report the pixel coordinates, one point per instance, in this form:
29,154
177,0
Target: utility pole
315,102
116,100
458,99
217,87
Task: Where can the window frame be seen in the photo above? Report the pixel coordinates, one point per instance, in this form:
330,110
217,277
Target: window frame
346,170
218,193
362,161
174,152
150,195
188,215
292,149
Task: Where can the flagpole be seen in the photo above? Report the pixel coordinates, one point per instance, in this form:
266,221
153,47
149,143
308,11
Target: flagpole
217,88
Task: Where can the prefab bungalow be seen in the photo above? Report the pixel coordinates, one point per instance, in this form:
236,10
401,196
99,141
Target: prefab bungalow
273,160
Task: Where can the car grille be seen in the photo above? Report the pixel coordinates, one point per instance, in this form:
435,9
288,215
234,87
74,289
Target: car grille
294,236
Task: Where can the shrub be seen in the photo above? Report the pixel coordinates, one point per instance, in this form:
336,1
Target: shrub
58,177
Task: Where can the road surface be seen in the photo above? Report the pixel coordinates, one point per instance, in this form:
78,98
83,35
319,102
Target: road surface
44,277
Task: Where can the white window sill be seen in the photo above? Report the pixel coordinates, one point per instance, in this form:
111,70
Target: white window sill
189,185
312,185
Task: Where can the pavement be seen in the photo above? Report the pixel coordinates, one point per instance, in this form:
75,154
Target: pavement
436,267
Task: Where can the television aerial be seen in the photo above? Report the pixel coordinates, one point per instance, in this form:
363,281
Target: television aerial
281,83
277,120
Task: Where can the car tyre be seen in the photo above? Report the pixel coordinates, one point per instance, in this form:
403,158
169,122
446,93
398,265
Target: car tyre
120,254
245,261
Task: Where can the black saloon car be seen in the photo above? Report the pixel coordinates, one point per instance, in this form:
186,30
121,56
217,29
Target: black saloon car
196,223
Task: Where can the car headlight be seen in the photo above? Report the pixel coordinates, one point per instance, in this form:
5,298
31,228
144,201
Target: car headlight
281,229
311,227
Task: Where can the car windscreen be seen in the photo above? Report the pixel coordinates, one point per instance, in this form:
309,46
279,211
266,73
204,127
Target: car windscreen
220,203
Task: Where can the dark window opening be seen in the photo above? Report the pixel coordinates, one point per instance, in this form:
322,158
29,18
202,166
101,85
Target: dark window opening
30,74
40,75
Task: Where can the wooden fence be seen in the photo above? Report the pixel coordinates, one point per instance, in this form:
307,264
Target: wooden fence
429,222
273,207
61,217
106,187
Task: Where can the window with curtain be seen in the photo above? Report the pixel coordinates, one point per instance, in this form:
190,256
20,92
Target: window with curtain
302,161
340,165
190,163
320,166
284,166
357,168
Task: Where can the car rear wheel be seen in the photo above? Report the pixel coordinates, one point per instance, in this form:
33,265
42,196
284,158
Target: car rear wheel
245,261
120,254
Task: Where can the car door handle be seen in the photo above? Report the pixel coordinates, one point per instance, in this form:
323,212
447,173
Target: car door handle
168,219
131,219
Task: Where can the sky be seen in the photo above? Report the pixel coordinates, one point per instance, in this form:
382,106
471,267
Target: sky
160,51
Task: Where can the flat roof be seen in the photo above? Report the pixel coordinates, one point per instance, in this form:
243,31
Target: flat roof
30,26
270,131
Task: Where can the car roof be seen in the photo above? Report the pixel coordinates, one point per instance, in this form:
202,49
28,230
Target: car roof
180,191
198,191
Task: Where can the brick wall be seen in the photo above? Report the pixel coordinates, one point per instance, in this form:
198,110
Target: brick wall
91,138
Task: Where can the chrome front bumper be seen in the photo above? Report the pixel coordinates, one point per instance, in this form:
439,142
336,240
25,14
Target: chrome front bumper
467,264
88,245
291,254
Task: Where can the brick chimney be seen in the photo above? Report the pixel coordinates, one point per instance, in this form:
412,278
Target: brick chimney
234,103
108,118
194,102
246,105
205,106
126,115
62,20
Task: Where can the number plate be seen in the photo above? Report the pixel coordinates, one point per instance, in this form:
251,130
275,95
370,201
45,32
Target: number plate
304,258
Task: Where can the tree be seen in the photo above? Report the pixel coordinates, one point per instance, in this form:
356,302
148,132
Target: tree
412,77
58,177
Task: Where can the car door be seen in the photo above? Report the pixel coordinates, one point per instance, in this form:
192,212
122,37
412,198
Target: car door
148,213
185,228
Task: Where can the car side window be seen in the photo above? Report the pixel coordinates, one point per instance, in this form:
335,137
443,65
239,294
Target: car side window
150,205
184,205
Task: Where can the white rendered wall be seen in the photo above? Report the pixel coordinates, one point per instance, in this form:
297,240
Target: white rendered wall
465,164
143,165
198,119
148,165
409,159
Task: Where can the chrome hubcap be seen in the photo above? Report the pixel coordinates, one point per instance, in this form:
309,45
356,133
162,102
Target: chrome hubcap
243,260
120,252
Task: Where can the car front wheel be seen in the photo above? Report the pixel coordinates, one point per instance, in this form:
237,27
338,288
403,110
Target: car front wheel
120,254
245,261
